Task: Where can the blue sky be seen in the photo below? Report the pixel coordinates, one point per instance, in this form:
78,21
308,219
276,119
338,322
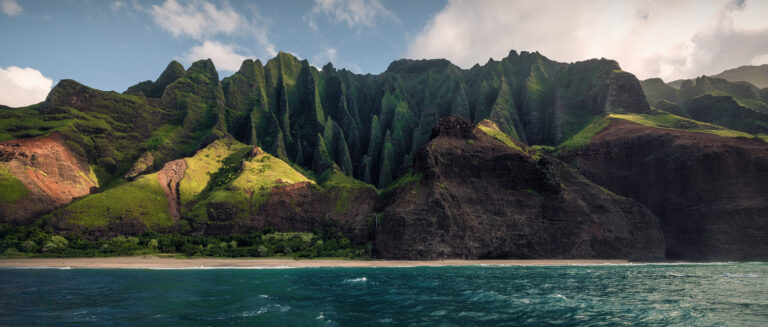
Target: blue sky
112,44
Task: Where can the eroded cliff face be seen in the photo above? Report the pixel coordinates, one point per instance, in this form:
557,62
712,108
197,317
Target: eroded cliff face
50,172
473,196
707,190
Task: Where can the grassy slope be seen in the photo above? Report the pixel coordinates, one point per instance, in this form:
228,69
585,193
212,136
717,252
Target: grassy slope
203,165
499,135
583,137
11,188
670,121
657,120
142,199
223,174
343,187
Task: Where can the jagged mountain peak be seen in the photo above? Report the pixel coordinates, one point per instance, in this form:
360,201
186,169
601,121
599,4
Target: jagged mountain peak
204,67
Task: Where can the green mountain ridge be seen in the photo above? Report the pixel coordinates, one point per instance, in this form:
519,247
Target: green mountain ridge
735,105
755,75
284,146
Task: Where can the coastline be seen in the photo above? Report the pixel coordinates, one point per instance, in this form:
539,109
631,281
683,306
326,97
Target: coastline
154,262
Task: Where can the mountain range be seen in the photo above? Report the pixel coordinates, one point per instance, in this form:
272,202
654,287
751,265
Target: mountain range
523,157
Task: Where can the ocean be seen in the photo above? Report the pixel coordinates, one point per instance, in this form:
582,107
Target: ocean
729,294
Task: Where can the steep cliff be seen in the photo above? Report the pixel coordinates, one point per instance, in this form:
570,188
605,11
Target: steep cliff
38,175
707,190
472,195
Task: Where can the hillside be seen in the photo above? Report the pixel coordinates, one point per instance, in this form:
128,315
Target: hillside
755,75
426,160
737,105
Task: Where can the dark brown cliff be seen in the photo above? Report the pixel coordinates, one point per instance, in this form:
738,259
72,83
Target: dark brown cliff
472,196
707,190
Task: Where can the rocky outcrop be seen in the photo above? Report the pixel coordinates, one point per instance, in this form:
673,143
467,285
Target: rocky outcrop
656,90
625,94
472,196
169,178
708,191
155,89
52,173
142,165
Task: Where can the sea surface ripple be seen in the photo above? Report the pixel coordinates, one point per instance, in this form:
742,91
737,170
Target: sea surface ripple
648,295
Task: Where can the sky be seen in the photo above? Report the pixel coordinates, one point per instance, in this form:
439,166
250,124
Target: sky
111,45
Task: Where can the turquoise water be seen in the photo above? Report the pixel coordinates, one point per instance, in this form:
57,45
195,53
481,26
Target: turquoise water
649,295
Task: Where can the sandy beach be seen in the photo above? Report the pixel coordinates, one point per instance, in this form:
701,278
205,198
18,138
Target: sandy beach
140,262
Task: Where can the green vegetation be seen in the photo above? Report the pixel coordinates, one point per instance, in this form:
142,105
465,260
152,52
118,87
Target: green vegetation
585,136
141,200
732,104
666,120
499,135
159,136
31,241
340,132
11,188
343,188
335,178
223,175
260,174
407,179
206,163
658,119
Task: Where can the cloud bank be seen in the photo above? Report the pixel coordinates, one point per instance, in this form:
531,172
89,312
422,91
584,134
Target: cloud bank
203,21
355,13
23,86
224,56
196,19
10,7
650,38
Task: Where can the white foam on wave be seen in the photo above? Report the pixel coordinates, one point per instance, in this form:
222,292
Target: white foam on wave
559,296
743,275
253,313
356,280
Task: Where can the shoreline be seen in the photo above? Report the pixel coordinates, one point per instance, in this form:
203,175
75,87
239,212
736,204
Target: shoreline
154,262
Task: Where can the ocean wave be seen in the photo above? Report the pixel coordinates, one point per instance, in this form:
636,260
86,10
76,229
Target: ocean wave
356,280
559,296
743,275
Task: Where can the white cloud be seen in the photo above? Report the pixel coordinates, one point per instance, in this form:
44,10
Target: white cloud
354,13
23,86
224,56
324,57
197,19
760,60
115,6
669,39
355,68
10,7
201,20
